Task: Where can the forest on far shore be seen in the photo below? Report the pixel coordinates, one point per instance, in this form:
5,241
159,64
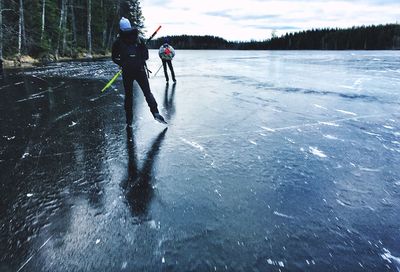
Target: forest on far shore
381,37
48,30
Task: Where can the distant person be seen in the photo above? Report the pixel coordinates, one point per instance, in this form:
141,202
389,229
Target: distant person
130,53
167,53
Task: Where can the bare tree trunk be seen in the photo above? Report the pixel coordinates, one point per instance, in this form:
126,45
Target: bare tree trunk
110,34
89,28
64,28
43,17
103,42
1,27
1,30
21,29
60,27
74,39
104,23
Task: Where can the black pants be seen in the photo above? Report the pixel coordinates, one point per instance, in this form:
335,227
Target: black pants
164,63
141,78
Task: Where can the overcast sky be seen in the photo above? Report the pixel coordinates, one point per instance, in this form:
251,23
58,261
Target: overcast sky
256,19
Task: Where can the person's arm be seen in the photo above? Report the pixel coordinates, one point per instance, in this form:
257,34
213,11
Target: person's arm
115,54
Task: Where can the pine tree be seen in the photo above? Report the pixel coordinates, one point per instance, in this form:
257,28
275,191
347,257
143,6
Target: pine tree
131,10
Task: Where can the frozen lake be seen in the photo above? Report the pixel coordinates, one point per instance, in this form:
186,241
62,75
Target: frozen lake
272,161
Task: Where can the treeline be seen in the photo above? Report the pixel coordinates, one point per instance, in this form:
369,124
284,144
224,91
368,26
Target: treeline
49,29
192,42
381,37
53,28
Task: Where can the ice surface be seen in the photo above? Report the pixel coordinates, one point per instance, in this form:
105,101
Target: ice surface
301,147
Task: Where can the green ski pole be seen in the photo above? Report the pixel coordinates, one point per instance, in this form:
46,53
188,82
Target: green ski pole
112,80
120,71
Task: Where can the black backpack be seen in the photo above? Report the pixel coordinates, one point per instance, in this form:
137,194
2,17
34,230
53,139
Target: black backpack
132,56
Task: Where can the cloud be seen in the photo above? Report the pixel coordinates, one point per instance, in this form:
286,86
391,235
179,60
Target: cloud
228,14
275,27
255,19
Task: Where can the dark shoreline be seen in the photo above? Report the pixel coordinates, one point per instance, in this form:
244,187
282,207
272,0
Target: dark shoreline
10,63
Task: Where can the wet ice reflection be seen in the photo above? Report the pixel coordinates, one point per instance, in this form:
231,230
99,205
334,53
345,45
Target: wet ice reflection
263,166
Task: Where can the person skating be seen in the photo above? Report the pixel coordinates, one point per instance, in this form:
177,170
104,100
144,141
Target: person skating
166,54
129,51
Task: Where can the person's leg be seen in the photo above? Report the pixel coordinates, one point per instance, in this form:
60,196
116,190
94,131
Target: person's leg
171,69
164,63
128,86
143,82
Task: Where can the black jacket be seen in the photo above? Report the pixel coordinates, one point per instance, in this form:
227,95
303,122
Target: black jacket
127,39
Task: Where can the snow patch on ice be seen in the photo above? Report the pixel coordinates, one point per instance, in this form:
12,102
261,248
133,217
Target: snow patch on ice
216,191
347,112
347,87
26,154
200,148
30,98
29,195
315,151
73,124
124,265
94,98
387,256
64,115
330,137
319,106
276,263
329,124
253,142
268,129
290,140
371,133
341,203
388,127
366,169
193,144
152,224
283,215
9,138
312,262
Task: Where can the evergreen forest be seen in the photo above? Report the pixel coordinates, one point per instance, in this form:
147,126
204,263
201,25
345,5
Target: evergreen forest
50,29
